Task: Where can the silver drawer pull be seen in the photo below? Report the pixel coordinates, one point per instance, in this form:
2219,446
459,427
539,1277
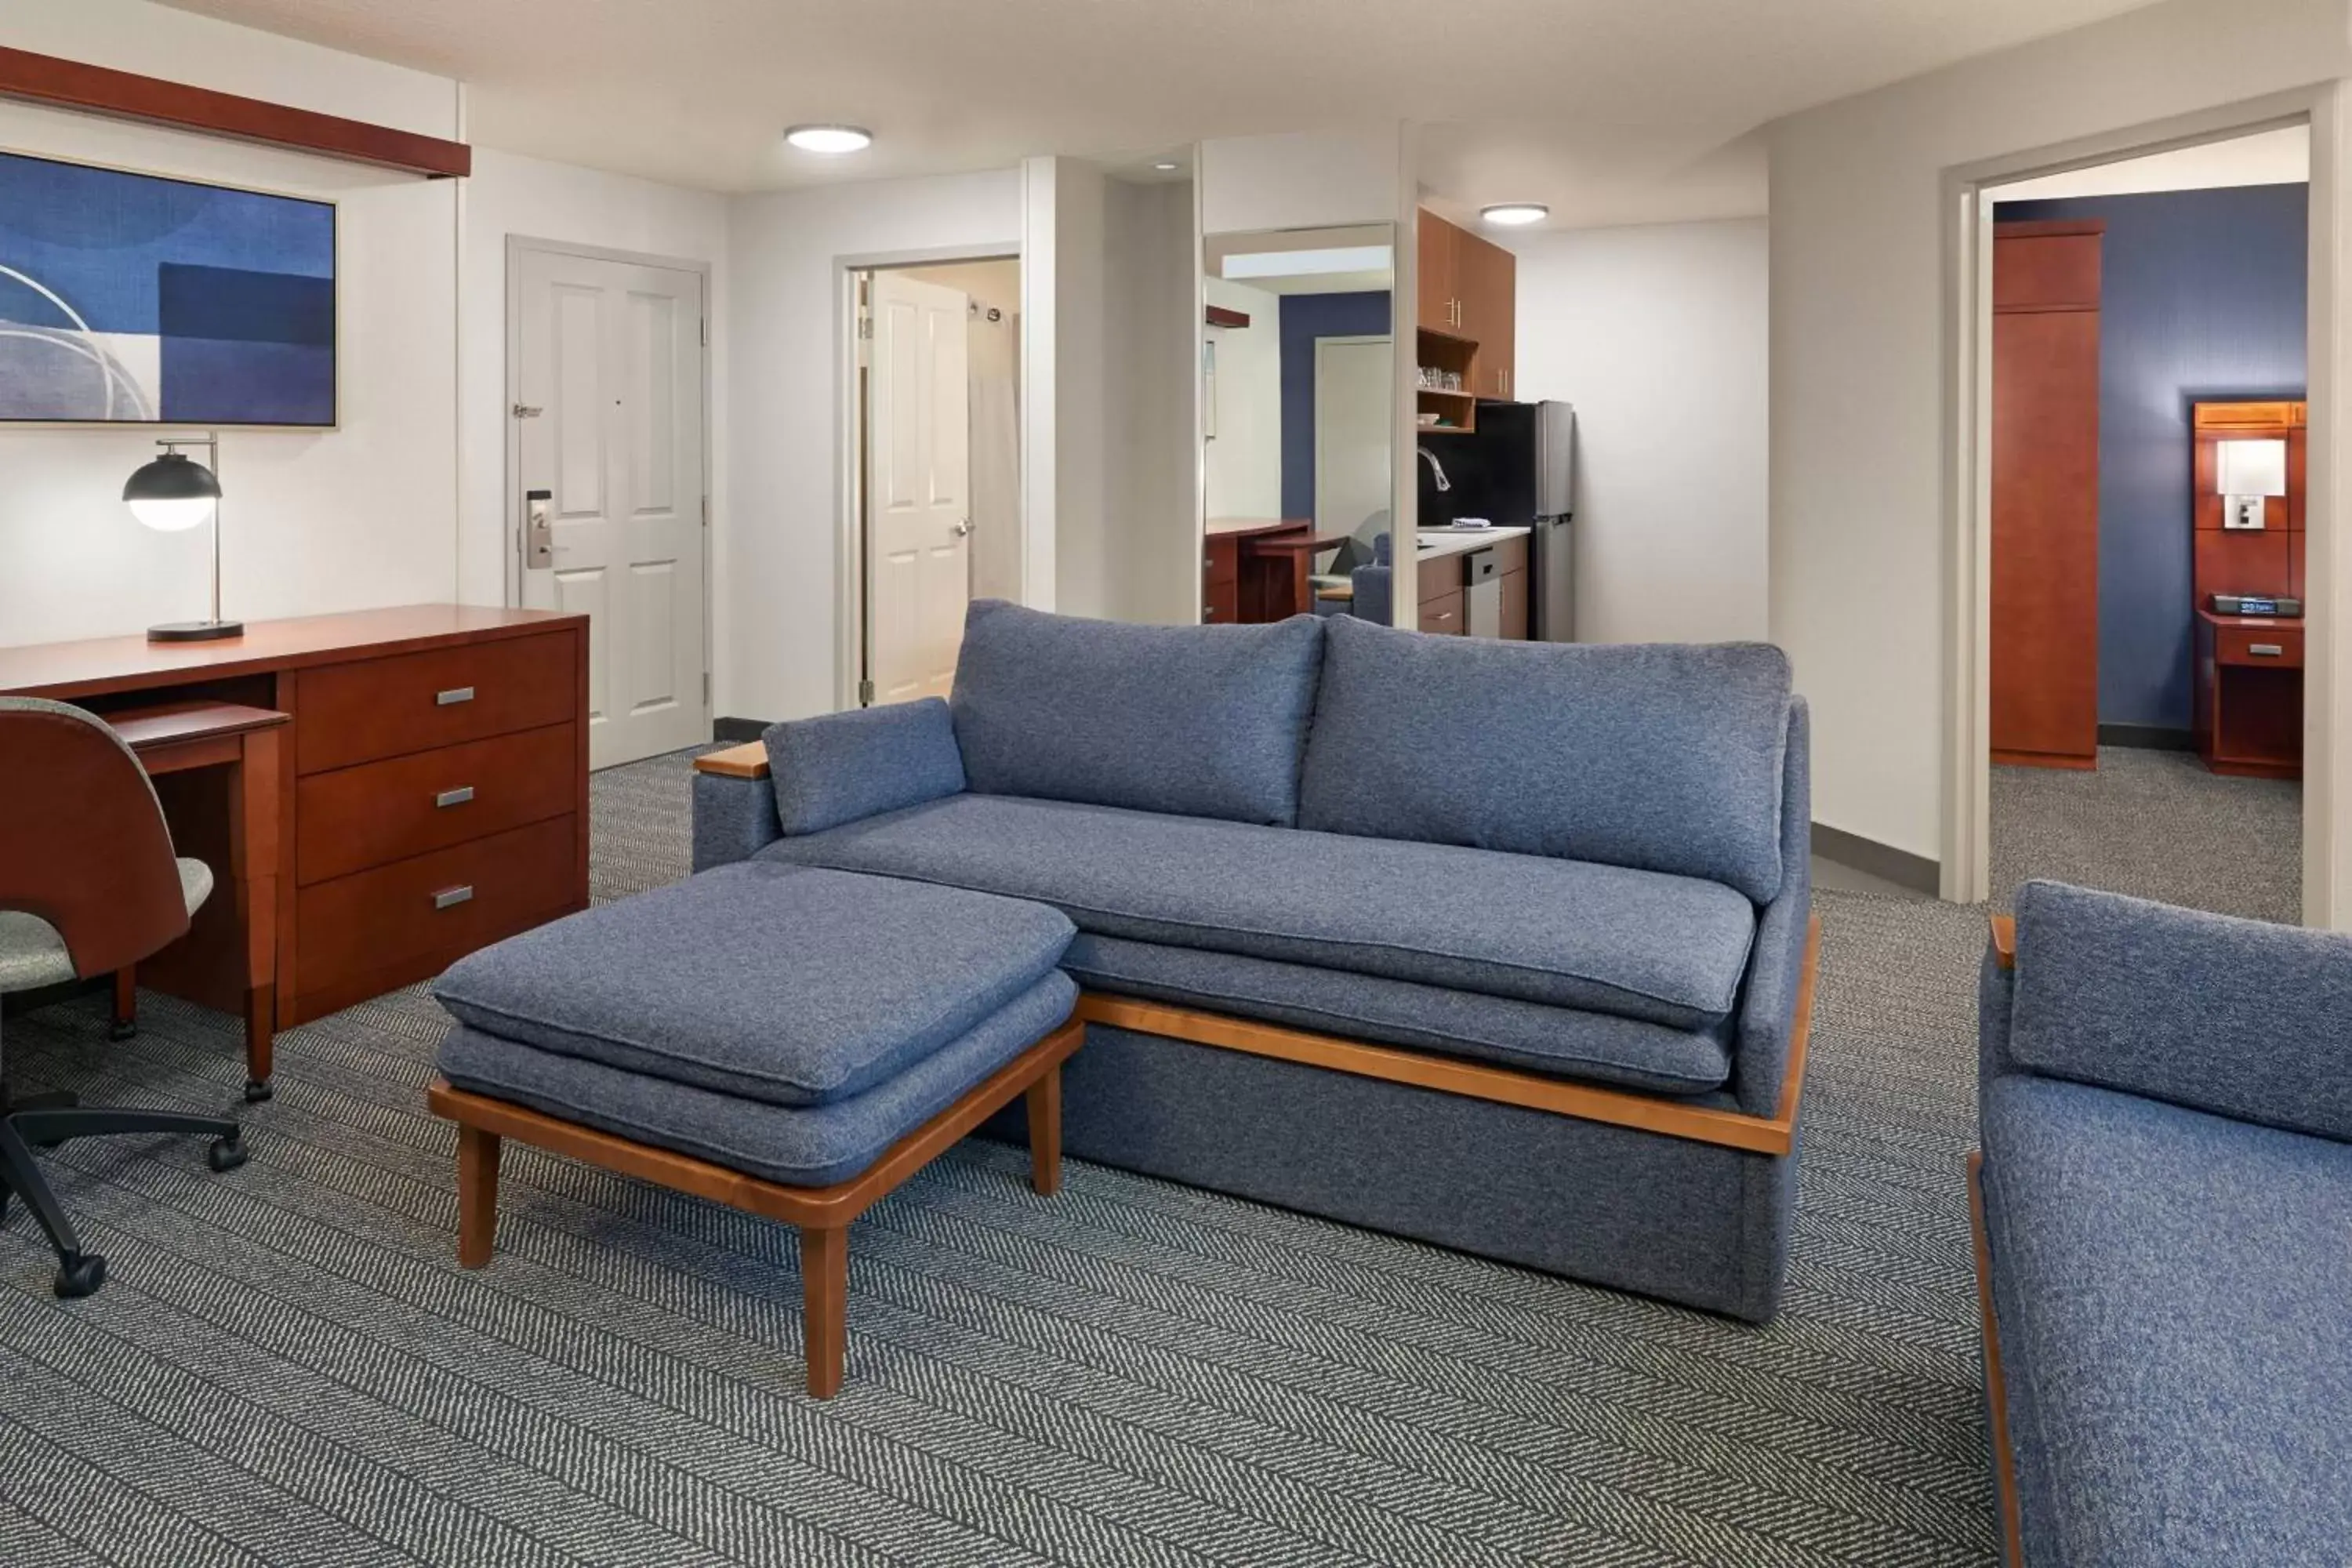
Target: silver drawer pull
450,797
2266,649
454,695
447,896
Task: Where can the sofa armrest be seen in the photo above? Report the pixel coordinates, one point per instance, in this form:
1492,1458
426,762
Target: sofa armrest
2238,1017
734,816
1776,971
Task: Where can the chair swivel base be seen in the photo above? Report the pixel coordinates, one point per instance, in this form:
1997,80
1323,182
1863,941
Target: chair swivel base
26,1125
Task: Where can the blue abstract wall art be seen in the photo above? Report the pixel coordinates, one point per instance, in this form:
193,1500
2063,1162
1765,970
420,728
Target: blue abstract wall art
131,298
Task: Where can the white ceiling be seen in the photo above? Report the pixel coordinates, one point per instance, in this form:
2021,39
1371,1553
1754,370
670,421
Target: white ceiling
2281,157
1610,111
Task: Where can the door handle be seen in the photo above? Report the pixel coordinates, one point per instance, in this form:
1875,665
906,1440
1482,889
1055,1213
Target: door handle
450,897
962,527
450,797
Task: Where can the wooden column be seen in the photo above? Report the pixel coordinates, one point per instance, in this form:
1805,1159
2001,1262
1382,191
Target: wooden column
2045,494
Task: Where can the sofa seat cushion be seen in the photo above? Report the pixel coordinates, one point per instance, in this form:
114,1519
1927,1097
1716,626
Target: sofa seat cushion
801,1146
762,981
1558,1042
2174,1295
1637,944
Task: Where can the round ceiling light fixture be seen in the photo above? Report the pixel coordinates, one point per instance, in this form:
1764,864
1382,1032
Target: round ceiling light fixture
1514,214
830,140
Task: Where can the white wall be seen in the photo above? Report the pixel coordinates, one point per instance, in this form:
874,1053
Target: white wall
1082,382
1657,334
1308,179
510,194
778,562
1244,462
1859,577
315,520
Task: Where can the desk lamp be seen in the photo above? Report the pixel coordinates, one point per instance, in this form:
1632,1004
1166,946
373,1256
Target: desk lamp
171,494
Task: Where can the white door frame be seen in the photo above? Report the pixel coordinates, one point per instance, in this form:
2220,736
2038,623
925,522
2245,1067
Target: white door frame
849,441
1966,874
511,542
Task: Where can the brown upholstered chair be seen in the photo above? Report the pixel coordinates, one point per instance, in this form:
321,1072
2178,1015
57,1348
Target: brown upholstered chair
89,885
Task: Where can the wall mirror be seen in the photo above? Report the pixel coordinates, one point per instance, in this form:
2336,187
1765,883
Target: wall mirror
1298,416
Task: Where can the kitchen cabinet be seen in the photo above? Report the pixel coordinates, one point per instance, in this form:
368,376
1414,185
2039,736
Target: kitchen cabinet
1440,247
1467,293
1444,614
1515,606
1487,292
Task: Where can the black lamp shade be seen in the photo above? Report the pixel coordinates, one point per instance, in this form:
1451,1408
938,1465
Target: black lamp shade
172,477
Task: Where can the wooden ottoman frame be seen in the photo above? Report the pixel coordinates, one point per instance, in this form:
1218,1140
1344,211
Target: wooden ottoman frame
823,1214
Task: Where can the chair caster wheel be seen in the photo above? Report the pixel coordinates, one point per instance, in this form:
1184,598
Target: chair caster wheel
80,1275
228,1154
258,1089
122,1029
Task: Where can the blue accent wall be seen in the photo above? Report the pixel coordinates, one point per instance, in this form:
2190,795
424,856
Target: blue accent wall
1305,318
2202,297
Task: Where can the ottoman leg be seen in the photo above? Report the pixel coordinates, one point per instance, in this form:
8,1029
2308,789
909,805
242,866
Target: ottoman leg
478,1195
1045,1102
825,1305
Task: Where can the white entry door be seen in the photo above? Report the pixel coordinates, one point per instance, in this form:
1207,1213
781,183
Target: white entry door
608,405
917,488
1354,436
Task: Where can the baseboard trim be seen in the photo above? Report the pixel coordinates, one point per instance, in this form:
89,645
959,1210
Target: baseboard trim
1883,861
2148,737
733,731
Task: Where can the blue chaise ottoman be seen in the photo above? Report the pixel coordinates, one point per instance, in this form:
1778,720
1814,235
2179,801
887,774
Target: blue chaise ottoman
792,1042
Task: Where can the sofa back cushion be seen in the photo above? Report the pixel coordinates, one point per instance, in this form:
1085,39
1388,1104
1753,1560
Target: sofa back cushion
1664,757
1193,720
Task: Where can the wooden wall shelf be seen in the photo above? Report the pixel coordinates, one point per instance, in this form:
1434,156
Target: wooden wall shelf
97,90
1225,316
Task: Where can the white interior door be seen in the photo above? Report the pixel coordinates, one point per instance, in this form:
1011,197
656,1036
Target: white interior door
917,488
1353,430
608,404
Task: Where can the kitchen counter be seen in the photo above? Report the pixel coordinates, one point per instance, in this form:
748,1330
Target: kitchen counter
1435,542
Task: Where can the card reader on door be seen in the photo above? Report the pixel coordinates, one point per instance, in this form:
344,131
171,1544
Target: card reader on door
538,528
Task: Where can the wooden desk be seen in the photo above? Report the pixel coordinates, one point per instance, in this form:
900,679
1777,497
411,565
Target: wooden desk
430,791
243,743
1257,567
2248,695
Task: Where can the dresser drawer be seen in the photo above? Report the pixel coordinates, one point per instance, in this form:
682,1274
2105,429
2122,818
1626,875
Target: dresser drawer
356,818
348,713
453,900
1444,614
2280,647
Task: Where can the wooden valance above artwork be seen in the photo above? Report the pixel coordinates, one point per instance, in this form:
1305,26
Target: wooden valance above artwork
97,90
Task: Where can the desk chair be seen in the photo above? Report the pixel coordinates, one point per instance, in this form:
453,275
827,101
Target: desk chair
89,885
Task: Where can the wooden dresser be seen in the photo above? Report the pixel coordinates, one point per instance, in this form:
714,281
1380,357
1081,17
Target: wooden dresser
432,796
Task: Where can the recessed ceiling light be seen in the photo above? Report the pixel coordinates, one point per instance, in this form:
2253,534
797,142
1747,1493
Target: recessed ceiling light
1167,166
830,138
1515,215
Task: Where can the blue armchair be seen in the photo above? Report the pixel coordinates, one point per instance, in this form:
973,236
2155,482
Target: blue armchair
2164,1200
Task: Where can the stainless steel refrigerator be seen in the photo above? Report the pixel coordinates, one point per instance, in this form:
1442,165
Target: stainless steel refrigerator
1516,469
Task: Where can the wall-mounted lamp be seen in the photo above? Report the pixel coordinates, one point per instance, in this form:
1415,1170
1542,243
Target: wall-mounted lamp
2245,474
172,494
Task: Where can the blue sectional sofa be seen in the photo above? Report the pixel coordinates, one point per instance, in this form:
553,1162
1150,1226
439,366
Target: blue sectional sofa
1499,945
2165,1234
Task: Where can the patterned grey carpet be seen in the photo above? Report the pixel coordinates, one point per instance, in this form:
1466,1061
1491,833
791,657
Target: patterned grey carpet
288,1366
2154,824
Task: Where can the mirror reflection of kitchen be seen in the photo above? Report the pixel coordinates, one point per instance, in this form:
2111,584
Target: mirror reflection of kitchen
1298,389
